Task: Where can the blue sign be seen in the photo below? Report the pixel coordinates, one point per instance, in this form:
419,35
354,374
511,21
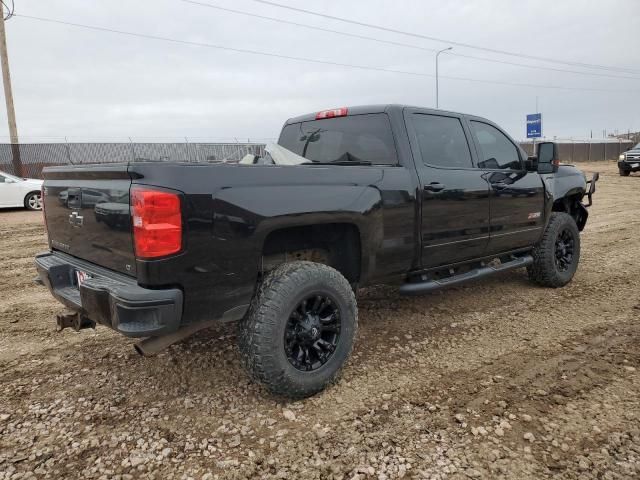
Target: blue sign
534,125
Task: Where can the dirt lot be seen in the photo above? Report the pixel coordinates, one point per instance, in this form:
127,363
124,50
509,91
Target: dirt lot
495,379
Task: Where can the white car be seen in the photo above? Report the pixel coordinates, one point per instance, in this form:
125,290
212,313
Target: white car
20,192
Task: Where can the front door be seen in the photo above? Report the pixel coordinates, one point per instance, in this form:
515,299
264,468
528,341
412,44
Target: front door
517,196
454,193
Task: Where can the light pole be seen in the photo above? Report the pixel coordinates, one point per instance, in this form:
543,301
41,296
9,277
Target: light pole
437,55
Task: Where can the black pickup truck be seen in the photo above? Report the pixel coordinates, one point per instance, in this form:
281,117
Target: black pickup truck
374,194
629,161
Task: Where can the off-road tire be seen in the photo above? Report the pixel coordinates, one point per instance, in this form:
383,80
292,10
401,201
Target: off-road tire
624,173
33,201
544,271
261,333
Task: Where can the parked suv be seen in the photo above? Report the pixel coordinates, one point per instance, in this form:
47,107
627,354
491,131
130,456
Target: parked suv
419,198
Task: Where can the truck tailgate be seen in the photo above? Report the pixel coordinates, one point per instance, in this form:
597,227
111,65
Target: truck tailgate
88,216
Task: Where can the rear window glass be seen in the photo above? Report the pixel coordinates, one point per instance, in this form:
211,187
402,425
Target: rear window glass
364,138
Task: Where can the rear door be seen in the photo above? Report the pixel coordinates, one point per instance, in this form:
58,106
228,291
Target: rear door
517,196
454,195
88,215
366,137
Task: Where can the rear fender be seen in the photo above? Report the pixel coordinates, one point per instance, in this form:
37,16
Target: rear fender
247,215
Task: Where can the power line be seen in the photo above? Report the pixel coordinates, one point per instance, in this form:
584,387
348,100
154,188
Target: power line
399,44
308,60
450,42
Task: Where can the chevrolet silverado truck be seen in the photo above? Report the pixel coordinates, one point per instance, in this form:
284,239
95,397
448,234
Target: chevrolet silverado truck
418,198
629,161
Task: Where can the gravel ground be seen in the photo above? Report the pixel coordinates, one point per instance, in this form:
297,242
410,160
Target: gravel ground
494,379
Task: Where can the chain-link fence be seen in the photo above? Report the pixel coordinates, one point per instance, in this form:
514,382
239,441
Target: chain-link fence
33,157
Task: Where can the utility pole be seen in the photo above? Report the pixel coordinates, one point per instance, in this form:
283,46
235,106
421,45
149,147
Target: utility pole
437,54
533,139
8,96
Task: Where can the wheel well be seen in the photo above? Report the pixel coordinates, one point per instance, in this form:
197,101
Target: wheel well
24,200
572,205
334,244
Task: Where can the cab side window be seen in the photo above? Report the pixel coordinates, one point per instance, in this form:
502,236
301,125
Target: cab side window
2,179
496,150
442,141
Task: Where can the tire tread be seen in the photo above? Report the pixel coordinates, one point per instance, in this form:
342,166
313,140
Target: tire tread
257,329
543,270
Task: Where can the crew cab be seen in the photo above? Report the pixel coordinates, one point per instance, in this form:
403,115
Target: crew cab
419,198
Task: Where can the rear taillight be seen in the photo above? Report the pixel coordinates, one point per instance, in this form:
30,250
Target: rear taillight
335,112
157,222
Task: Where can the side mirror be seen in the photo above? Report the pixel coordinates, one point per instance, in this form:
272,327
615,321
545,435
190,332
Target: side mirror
547,157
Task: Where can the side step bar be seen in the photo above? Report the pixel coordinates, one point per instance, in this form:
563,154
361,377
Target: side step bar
431,285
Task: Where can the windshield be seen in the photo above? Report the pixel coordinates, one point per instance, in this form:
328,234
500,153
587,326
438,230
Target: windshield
637,147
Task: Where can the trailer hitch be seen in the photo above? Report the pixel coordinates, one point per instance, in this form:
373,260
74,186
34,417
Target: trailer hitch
74,320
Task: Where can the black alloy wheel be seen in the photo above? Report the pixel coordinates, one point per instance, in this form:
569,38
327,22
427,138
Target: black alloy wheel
300,329
557,254
565,246
312,332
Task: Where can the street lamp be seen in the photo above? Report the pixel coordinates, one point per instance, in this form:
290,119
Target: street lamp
437,54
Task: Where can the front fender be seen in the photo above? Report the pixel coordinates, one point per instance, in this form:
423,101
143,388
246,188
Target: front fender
568,181
565,190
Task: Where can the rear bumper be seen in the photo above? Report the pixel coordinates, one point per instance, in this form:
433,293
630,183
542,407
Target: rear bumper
110,298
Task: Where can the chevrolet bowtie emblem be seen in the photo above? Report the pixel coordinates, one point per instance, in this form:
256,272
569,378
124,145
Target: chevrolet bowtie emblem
75,219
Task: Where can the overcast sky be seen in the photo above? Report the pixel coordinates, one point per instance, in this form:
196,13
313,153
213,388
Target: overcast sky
90,85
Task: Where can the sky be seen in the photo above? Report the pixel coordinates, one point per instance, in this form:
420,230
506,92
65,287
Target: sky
89,85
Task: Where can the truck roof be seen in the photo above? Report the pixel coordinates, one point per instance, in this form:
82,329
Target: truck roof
364,109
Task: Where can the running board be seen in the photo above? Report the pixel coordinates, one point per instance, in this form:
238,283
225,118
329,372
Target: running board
431,285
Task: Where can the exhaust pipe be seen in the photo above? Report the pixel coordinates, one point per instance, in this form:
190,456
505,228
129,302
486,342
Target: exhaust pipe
154,345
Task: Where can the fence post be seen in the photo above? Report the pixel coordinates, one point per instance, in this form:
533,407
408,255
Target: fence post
66,143
133,150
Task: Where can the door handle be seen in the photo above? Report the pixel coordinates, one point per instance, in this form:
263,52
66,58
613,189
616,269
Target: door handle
434,187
